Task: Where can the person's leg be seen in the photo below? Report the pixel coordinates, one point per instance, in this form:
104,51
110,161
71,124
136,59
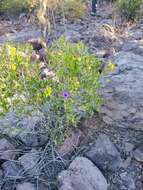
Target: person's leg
94,4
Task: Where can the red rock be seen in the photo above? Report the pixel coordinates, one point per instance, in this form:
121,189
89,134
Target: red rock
70,143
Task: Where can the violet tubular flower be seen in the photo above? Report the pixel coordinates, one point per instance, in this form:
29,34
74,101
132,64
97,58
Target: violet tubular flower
66,95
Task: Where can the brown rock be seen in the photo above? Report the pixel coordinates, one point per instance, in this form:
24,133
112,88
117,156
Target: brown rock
70,143
3,31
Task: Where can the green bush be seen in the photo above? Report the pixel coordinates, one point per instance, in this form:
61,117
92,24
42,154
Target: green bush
76,89
74,9
69,93
14,6
130,9
17,77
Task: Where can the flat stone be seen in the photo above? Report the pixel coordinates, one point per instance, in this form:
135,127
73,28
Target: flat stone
12,169
33,139
22,36
137,34
7,150
104,154
25,186
82,174
129,46
25,128
8,124
133,47
29,161
33,133
138,154
72,36
124,92
129,147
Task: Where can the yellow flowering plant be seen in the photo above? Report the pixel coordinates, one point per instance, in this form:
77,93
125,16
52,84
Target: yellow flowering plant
77,91
69,93
20,82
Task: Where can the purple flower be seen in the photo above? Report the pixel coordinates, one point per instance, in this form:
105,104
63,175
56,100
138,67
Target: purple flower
66,95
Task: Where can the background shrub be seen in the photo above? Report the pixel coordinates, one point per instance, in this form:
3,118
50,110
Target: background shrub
14,6
129,9
74,9
17,77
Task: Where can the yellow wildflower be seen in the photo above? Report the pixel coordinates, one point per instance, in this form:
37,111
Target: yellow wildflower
59,53
89,68
13,51
110,67
13,66
79,59
48,91
76,83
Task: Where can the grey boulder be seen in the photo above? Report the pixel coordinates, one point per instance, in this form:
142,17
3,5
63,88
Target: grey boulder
104,154
82,174
25,186
138,154
29,161
12,169
7,150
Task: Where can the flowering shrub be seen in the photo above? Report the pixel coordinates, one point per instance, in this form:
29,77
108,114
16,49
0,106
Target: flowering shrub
19,81
68,93
75,86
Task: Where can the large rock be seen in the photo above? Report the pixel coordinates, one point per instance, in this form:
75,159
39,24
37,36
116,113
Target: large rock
104,154
25,128
137,33
12,169
29,161
8,124
25,186
33,131
31,186
7,150
73,36
124,93
33,139
138,154
70,143
133,47
82,175
22,36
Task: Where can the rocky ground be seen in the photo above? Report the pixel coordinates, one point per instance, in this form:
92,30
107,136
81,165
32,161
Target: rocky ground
110,155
